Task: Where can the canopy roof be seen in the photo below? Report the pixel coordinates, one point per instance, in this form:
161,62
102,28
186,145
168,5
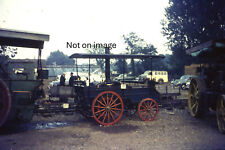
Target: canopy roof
210,49
114,56
22,38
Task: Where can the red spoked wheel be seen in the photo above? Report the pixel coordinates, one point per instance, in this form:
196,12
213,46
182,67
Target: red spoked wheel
148,109
5,102
107,108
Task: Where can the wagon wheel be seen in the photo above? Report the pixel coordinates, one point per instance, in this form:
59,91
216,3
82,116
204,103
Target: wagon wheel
107,108
195,98
220,114
148,109
5,102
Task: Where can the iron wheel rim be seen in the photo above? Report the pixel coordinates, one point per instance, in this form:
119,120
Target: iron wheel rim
148,109
220,113
193,100
107,108
5,102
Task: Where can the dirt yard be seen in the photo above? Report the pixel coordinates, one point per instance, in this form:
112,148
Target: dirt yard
172,129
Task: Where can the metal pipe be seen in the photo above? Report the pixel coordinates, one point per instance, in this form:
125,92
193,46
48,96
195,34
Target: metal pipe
107,66
151,66
89,70
76,66
39,65
123,68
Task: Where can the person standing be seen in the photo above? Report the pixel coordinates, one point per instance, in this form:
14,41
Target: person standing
62,79
73,78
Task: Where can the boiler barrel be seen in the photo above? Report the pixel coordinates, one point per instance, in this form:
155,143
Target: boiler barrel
62,91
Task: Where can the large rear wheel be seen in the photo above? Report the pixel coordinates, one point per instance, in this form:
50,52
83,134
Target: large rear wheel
196,103
220,114
5,102
107,108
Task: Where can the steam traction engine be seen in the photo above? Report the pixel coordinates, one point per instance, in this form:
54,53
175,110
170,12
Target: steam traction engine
208,89
107,101
19,85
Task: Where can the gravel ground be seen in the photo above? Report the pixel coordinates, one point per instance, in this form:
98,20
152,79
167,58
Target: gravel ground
171,130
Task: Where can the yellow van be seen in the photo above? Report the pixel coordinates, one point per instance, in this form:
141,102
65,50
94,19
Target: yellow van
158,76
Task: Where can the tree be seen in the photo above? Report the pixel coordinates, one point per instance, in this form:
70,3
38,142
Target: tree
59,58
134,44
121,66
137,45
146,63
189,23
100,62
8,51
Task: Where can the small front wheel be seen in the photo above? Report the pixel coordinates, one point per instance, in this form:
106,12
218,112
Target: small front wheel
148,109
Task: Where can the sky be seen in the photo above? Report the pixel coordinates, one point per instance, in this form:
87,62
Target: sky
85,21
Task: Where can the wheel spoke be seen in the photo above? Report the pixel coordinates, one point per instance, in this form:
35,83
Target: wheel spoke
151,104
114,101
107,108
108,117
111,99
143,110
112,115
143,107
193,106
153,108
104,117
116,105
101,115
195,87
153,113
220,112
107,99
148,103
115,112
99,107
116,109
146,115
100,103
99,111
103,100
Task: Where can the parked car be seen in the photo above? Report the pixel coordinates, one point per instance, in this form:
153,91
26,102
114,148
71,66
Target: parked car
127,77
174,82
183,82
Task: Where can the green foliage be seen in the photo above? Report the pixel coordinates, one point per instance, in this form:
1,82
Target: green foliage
100,62
134,43
137,45
59,58
121,66
189,23
146,63
8,51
